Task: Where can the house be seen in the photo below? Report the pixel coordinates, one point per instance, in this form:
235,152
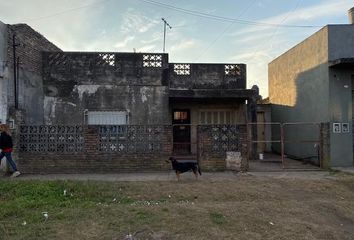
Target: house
314,82
129,106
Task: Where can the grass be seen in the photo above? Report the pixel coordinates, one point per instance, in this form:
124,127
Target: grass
249,208
217,218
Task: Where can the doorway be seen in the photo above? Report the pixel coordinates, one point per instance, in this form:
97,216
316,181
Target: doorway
181,131
352,81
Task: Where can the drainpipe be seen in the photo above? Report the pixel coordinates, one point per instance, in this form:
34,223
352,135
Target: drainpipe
15,67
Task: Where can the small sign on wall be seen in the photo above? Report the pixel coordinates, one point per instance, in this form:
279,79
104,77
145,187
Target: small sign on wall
337,128
341,128
345,127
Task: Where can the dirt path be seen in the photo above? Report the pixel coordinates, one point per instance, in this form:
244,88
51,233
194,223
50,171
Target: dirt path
171,176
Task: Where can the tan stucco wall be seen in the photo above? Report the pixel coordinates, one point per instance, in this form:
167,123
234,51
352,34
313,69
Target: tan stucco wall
286,72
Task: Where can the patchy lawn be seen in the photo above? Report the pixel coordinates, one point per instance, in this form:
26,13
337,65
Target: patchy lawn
248,208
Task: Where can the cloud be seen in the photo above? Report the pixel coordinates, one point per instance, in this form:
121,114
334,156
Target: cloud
324,9
147,48
124,43
155,37
183,45
135,22
261,44
300,16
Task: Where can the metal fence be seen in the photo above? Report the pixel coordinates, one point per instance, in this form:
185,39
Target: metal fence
287,146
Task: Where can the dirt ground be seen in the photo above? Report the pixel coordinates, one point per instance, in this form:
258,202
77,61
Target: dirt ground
271,206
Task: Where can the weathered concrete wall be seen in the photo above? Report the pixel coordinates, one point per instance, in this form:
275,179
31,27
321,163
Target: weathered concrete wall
132,82
207,76
3,72
299,89
30,86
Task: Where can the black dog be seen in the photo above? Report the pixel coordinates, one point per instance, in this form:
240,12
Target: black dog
181,167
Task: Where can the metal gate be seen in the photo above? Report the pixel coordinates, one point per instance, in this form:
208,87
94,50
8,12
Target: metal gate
286,146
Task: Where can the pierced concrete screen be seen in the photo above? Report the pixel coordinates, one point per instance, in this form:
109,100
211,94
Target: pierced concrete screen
132,139
223,137
182,69
232,70
152,60
67,139
108,58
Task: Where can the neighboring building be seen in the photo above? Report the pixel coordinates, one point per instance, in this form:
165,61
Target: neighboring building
29,45
314,82
57,88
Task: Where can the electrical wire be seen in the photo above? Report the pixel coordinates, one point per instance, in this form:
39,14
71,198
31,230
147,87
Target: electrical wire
225,30
224,19
275,31
65,11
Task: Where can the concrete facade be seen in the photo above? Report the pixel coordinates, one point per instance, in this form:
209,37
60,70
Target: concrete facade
78,82
305,87
138,83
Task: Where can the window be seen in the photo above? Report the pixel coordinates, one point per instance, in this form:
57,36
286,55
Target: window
180,115
106,117
217,117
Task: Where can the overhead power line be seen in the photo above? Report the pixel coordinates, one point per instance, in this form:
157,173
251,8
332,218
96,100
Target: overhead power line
225,19
65,11
225,30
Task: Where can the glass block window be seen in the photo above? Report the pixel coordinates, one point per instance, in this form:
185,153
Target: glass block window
217,117
106,117
182,69
232,70
152,60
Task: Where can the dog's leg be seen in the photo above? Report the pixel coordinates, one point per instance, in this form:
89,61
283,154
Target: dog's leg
195,174
177,174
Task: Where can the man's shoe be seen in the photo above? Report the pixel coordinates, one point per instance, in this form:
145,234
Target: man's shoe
15,174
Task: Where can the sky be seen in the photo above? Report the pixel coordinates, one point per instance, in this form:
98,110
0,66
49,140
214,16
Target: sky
253,32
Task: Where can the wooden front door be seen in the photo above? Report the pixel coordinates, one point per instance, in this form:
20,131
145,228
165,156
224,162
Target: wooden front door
181,131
